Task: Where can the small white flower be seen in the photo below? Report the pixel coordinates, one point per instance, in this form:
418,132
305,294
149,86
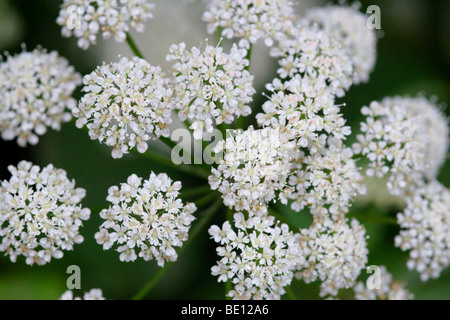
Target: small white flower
125,105
40,214
36,93
145,219
85,19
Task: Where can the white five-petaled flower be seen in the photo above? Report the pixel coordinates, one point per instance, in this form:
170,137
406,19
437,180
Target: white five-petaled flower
334,253
210,86
254,168
258,256
389,288
126,104
85,19
146,219
36,93
250,20
404,138
40,213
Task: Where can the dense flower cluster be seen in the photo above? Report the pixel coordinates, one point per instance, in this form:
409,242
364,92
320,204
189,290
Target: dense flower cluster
258,256
389,289
325,180
93,294
126,103
314,54
406,138
147,217
36,93
40,213
85,19
302,109
210,86
425,230
250,20
255,166
335,254
349,27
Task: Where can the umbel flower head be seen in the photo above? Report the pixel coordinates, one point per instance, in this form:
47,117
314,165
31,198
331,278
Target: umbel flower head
425,230
40,213
406,138
316,54
302,109
348,26
389,289
126,104
334,253
325,178
85,19
93,294
258,256
250,20
210,86
254,167
36,93
146,219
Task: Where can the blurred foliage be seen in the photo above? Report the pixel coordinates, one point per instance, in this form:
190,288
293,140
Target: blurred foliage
413,57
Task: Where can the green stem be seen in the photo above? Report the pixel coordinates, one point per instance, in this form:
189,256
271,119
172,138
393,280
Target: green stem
219,36
196,191
291,293
207,215
207,199
197,172
282,219
373,218
134,47
249,57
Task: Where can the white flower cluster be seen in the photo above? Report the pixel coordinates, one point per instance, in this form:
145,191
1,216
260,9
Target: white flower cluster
36,93
250,20
348,26
258,256
146,216
406,138
315,54
85,19
126,102
389,289
40,213
255,166
335,254
302,110
326,180
425,230
210,86
93,294
332,45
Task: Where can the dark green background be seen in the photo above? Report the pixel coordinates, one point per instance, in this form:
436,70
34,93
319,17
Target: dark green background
413,57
